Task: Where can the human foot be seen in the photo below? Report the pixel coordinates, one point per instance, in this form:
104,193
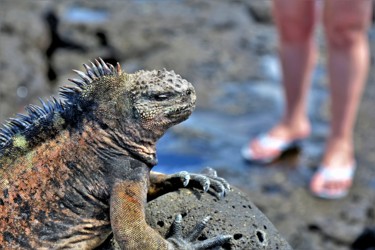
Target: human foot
332,182
267,147
334,177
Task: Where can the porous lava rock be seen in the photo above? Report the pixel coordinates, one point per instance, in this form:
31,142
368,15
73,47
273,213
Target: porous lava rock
234,214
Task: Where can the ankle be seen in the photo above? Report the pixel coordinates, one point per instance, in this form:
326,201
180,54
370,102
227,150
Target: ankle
297,127
340,143
287,130
339,151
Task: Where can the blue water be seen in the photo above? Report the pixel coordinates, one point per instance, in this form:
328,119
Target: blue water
86,15
81,14
173,162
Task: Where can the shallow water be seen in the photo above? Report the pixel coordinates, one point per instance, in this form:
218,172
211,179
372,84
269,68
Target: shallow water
79,14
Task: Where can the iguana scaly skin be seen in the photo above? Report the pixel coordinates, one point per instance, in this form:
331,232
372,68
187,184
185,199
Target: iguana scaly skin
74,171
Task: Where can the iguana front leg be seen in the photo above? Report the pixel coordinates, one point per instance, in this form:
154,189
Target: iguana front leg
127,211
128,200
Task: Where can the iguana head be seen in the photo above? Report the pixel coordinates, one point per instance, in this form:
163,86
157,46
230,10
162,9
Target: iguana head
161,98
152,101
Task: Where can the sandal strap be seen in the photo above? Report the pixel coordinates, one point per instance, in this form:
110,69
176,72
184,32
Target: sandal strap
270,142
337,174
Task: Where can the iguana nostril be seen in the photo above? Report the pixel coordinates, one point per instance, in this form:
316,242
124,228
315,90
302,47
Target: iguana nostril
188,92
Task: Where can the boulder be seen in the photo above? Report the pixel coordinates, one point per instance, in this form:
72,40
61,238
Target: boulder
234,214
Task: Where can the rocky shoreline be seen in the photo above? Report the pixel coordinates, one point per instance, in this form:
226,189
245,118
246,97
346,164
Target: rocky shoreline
228,49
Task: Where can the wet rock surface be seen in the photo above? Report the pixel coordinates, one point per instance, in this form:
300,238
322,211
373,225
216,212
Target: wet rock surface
228,50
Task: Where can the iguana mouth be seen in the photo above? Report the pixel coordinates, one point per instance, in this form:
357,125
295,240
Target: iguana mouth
180,112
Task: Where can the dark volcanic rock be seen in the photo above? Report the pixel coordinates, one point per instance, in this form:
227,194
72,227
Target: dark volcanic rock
235,215
260,10
23,70
366,240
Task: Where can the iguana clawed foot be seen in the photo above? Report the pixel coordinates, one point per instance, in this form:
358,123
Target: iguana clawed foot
208,178
187,242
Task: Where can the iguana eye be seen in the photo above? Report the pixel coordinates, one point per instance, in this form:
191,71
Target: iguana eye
160,97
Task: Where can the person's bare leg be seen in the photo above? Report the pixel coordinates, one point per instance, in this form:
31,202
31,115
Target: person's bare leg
295,20
346,23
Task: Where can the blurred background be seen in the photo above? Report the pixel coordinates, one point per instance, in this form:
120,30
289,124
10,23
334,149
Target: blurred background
227,49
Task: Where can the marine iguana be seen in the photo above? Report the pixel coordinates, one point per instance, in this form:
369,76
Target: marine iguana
74,171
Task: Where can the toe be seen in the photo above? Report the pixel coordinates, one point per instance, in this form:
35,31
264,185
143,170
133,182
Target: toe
322,187
316,184
259,151
255,148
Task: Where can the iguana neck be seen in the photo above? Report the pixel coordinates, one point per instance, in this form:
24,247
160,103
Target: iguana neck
140,149
110,143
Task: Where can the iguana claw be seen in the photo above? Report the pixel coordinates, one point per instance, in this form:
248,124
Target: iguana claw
186,242
185,177
207,179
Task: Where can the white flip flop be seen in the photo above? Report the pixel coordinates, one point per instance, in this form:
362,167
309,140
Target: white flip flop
269,143
334,174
